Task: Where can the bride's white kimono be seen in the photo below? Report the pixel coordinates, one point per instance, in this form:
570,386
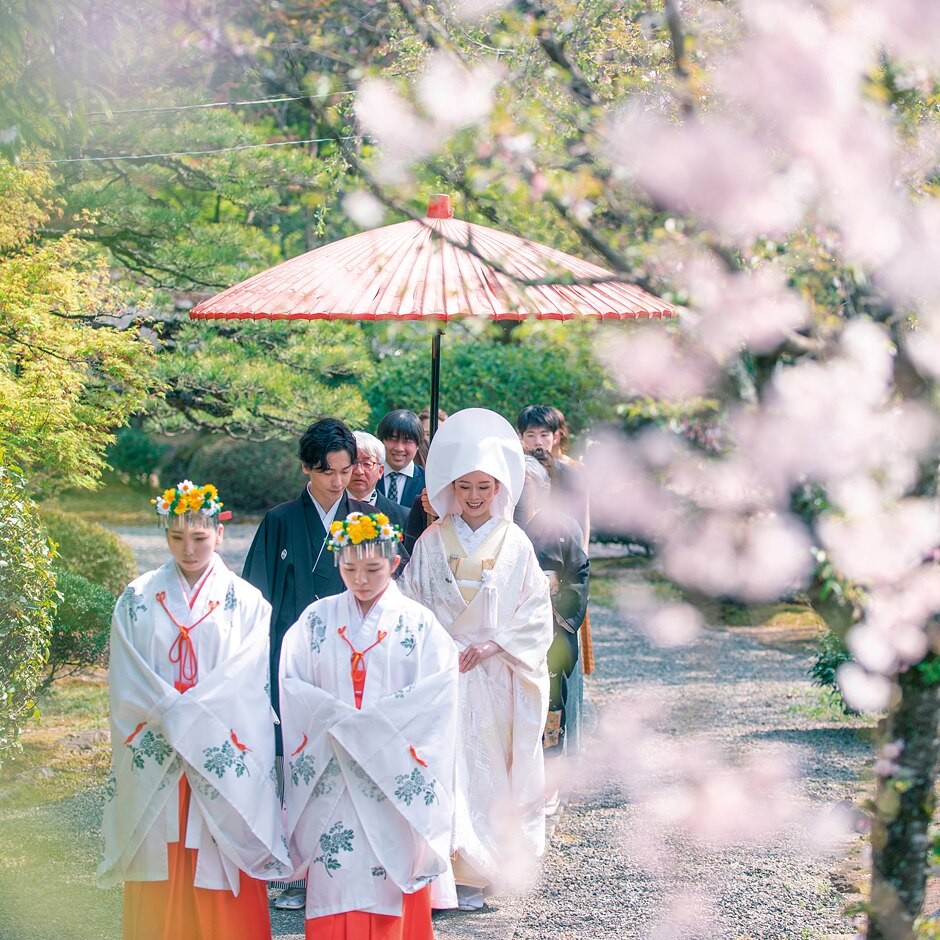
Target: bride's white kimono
369,793
219,733
504,700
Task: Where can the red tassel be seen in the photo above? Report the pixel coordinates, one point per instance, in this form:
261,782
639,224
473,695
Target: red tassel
414,754
303,744
134,733
237,743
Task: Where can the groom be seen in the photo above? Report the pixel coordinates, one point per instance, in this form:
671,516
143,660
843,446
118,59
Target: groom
288,561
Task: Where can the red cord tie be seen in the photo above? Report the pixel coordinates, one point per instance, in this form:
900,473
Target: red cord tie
357,663
183,651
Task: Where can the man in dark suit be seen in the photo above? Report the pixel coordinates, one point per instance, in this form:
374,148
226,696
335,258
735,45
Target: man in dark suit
367,473
401,434
288,561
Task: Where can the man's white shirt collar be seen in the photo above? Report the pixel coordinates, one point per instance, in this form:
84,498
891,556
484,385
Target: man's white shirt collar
326,515
408,471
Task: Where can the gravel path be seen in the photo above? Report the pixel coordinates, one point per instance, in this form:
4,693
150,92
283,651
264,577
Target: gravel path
609,871
148,543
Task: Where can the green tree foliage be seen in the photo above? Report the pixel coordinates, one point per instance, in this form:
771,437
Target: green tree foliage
81,627
66,376
504,377
261,380
45,86
90,550
27,605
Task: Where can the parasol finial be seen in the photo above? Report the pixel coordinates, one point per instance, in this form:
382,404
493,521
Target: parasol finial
439,207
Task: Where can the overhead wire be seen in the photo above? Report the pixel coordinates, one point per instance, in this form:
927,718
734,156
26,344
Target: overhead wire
216,104
191,153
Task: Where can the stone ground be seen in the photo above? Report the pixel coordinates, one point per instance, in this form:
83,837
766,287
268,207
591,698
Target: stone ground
603,875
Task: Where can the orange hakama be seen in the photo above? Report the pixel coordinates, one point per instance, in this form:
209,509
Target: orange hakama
177,910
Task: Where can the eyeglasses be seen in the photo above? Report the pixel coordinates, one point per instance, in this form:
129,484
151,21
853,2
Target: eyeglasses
368,464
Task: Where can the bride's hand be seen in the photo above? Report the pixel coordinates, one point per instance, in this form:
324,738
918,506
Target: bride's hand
475,653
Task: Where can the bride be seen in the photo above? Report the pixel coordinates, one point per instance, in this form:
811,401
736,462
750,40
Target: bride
477,572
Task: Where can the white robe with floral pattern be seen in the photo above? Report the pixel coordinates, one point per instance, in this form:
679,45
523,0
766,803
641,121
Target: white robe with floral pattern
219,733
369,793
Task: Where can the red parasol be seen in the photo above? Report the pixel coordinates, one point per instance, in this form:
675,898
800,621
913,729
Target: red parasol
437,268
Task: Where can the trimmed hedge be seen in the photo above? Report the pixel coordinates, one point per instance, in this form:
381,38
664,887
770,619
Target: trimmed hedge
81,626
90,550
250,477
27,603
136,454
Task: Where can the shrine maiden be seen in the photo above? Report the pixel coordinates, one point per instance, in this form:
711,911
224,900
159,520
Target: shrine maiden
369,712
478,573
192,817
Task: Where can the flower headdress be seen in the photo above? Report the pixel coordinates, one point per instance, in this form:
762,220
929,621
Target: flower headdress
189,506
367,534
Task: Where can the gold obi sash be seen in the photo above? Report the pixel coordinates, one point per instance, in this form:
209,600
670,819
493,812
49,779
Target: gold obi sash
471,567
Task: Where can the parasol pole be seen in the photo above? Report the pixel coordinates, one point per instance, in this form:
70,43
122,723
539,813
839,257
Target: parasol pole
435,380
439,207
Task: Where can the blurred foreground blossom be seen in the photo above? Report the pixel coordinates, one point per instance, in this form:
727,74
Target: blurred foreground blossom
683,915
923,345
656,363
687,788
364,209
455,96
634,501
913,274
884,545
452,96
796,79
712,169
910,28
832,421
864,691
402,135
754,557
755,309
666,625
471,10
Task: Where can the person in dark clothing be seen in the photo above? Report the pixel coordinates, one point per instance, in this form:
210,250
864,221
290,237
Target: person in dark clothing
559,548
288,561
369,468
540,429
401,434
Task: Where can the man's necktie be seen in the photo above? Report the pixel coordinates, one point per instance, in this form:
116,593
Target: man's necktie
393,487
